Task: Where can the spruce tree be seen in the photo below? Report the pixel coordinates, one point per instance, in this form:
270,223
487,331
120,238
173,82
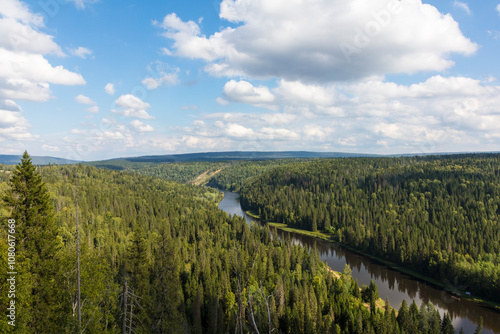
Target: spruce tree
167,316
446,325
37,250
137,273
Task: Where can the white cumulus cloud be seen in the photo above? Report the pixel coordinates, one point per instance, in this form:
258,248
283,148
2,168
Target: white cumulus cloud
93,109
80,52
82,4
25,73
462,5
50,148
13,126
435,115
163,79
109,89
140,126
84,99
19,11
160,74
238,131
323,41
132,106
245,92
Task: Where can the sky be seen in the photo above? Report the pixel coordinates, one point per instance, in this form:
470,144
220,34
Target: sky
98,79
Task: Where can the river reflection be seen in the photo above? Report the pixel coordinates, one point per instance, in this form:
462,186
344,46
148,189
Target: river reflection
391,284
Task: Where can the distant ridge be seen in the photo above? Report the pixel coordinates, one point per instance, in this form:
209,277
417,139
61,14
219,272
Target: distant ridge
236,155
37,160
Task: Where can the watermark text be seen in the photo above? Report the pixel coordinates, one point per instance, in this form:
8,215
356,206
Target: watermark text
11,273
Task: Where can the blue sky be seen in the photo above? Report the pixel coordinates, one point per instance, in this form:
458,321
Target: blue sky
96,79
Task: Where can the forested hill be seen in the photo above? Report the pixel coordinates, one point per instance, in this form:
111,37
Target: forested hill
184,265
238,155
437,215
38,160
139,163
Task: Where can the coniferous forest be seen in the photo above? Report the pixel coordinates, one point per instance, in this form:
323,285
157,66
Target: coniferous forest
157,256
438,216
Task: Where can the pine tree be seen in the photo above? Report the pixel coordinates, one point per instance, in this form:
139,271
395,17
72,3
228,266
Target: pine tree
137,273
38,250
446,325
404,316
166,286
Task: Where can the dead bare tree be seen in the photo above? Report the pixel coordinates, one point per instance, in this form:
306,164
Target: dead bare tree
130,299
239,318
251,312
78,293
268,310
124,320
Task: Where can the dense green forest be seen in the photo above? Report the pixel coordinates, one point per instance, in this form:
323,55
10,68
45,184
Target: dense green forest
436,215
235,175
164,253
183,172
230,174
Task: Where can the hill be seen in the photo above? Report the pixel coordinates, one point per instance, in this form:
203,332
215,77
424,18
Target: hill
122,163
37,160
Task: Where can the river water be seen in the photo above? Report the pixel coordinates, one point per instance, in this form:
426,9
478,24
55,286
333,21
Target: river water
391,284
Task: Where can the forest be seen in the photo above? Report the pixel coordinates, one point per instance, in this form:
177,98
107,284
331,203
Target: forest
438,216
159,257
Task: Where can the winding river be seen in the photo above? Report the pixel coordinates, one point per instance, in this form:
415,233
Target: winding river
391,284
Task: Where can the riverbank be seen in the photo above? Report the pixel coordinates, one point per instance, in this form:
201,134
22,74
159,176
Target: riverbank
325,236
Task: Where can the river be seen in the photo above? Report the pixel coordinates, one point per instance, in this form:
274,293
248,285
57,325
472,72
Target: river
391,284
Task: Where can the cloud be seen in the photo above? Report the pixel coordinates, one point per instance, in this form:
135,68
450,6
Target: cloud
377,116
464,6
35,68
132,106
278,134
19,11
164,79
298,93
80,52
221,101
50,148
140,126
109,89
84,100
82,4
25,73
17,36
13,126
161,74
326,41
238,131
93,109
498,9
245,92
88,101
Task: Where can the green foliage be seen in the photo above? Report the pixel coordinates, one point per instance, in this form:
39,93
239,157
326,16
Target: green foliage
166,288
235,175
37,250
435,215
188,263
184,172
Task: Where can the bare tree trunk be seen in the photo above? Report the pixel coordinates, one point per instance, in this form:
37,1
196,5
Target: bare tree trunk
78,259
131,316
268,310
124,321
251,312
